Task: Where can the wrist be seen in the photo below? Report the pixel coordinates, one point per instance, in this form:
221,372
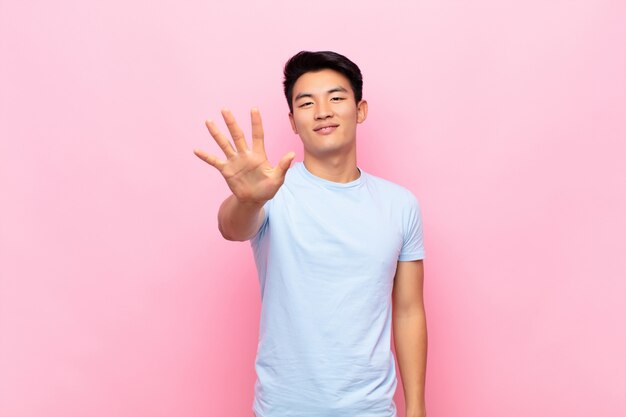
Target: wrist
419,411
249,203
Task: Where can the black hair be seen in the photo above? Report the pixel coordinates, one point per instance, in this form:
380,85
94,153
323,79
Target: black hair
306,61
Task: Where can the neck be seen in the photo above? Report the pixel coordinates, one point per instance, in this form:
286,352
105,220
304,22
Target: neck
340,168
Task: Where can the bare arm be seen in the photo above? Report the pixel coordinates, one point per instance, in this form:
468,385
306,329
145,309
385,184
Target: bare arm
238,220
249,175
410,336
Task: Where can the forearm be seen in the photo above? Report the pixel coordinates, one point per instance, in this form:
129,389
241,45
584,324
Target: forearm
411,343
239,221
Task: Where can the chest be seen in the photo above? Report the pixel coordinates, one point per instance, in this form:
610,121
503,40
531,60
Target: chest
350,232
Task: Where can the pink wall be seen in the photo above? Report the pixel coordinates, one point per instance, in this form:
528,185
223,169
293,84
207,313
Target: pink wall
119,298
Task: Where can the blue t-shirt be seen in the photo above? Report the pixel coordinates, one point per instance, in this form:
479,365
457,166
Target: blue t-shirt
326,256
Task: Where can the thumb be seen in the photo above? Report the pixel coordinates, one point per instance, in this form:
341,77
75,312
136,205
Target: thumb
285,163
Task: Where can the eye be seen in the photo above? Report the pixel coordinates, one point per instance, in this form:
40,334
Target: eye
305,104
337,99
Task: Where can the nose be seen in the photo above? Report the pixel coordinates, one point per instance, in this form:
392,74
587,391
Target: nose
323,111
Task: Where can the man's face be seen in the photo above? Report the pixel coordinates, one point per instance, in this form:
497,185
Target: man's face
325,113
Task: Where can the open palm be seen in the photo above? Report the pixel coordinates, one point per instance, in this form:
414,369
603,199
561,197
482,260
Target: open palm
248,173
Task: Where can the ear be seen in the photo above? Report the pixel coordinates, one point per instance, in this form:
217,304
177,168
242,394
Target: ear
293,124
361,111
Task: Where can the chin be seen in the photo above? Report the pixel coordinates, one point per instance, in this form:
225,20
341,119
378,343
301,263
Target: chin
327,151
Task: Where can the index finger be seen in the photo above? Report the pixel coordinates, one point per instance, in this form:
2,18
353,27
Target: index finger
258,144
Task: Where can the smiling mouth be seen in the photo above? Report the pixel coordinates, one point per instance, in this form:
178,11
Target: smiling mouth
325,130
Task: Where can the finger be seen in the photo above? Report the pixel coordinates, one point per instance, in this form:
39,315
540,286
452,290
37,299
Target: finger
235,131
258,145
284,163
220,139
209,159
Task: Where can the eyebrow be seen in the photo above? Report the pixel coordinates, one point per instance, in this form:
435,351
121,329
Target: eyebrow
337,89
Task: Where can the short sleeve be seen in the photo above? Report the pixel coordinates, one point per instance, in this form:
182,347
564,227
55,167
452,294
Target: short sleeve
412,229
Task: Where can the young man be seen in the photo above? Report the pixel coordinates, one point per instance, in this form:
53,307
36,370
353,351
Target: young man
335,248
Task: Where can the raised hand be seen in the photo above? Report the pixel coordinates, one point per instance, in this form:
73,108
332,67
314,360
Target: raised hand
248,173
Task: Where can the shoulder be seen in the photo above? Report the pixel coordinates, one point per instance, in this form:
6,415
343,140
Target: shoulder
295,175
390,190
